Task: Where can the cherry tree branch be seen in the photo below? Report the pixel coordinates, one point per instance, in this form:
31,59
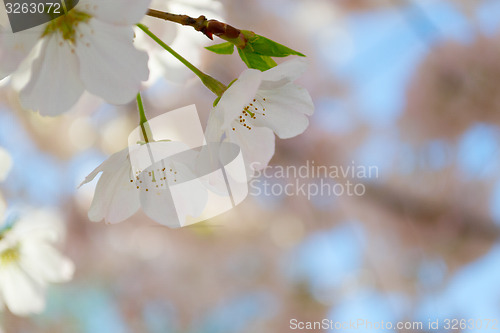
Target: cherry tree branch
208,27
198,24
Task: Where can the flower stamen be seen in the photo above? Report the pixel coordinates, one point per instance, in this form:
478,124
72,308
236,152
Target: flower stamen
257,110
10,255
67,24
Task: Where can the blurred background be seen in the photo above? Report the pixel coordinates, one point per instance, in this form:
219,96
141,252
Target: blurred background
409,87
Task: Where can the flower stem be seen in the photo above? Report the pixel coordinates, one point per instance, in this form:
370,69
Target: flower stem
214,85
142,118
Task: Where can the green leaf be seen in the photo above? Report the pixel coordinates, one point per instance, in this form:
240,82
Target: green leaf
252,60
224,48
264,46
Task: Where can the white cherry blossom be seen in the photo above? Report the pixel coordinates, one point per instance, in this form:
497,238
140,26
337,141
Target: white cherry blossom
131,180
258,104
90,48
29,262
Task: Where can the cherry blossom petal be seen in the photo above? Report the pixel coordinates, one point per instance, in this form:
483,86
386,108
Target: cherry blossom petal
285,73
113,162
110,66
118,12
238,95
159,206
14,48
55,84
257,146
214,130
170,192
286,110
116,197
48,227
21,294
44,264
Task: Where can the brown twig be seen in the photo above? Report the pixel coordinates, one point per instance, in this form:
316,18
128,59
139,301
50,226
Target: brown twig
202,24
198,24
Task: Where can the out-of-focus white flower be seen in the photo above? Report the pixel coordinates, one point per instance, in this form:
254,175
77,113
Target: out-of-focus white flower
125,185
29,262
5,163
90,48
258,104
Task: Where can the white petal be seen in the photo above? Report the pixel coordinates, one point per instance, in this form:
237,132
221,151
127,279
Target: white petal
284,73
238,95
114,162
119,12
257,146
38,225
286,110
44,263
21,294
168,201
214,131
190,199
21,77
144,156
4,22
110,66
169,187
116,197
211,158
54,86
14,48
159,205
5,163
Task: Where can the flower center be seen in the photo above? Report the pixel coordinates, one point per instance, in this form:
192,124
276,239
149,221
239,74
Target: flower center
10,255
251,112
67,24
155,180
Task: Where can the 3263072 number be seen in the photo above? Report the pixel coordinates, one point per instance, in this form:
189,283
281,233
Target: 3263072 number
33,8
